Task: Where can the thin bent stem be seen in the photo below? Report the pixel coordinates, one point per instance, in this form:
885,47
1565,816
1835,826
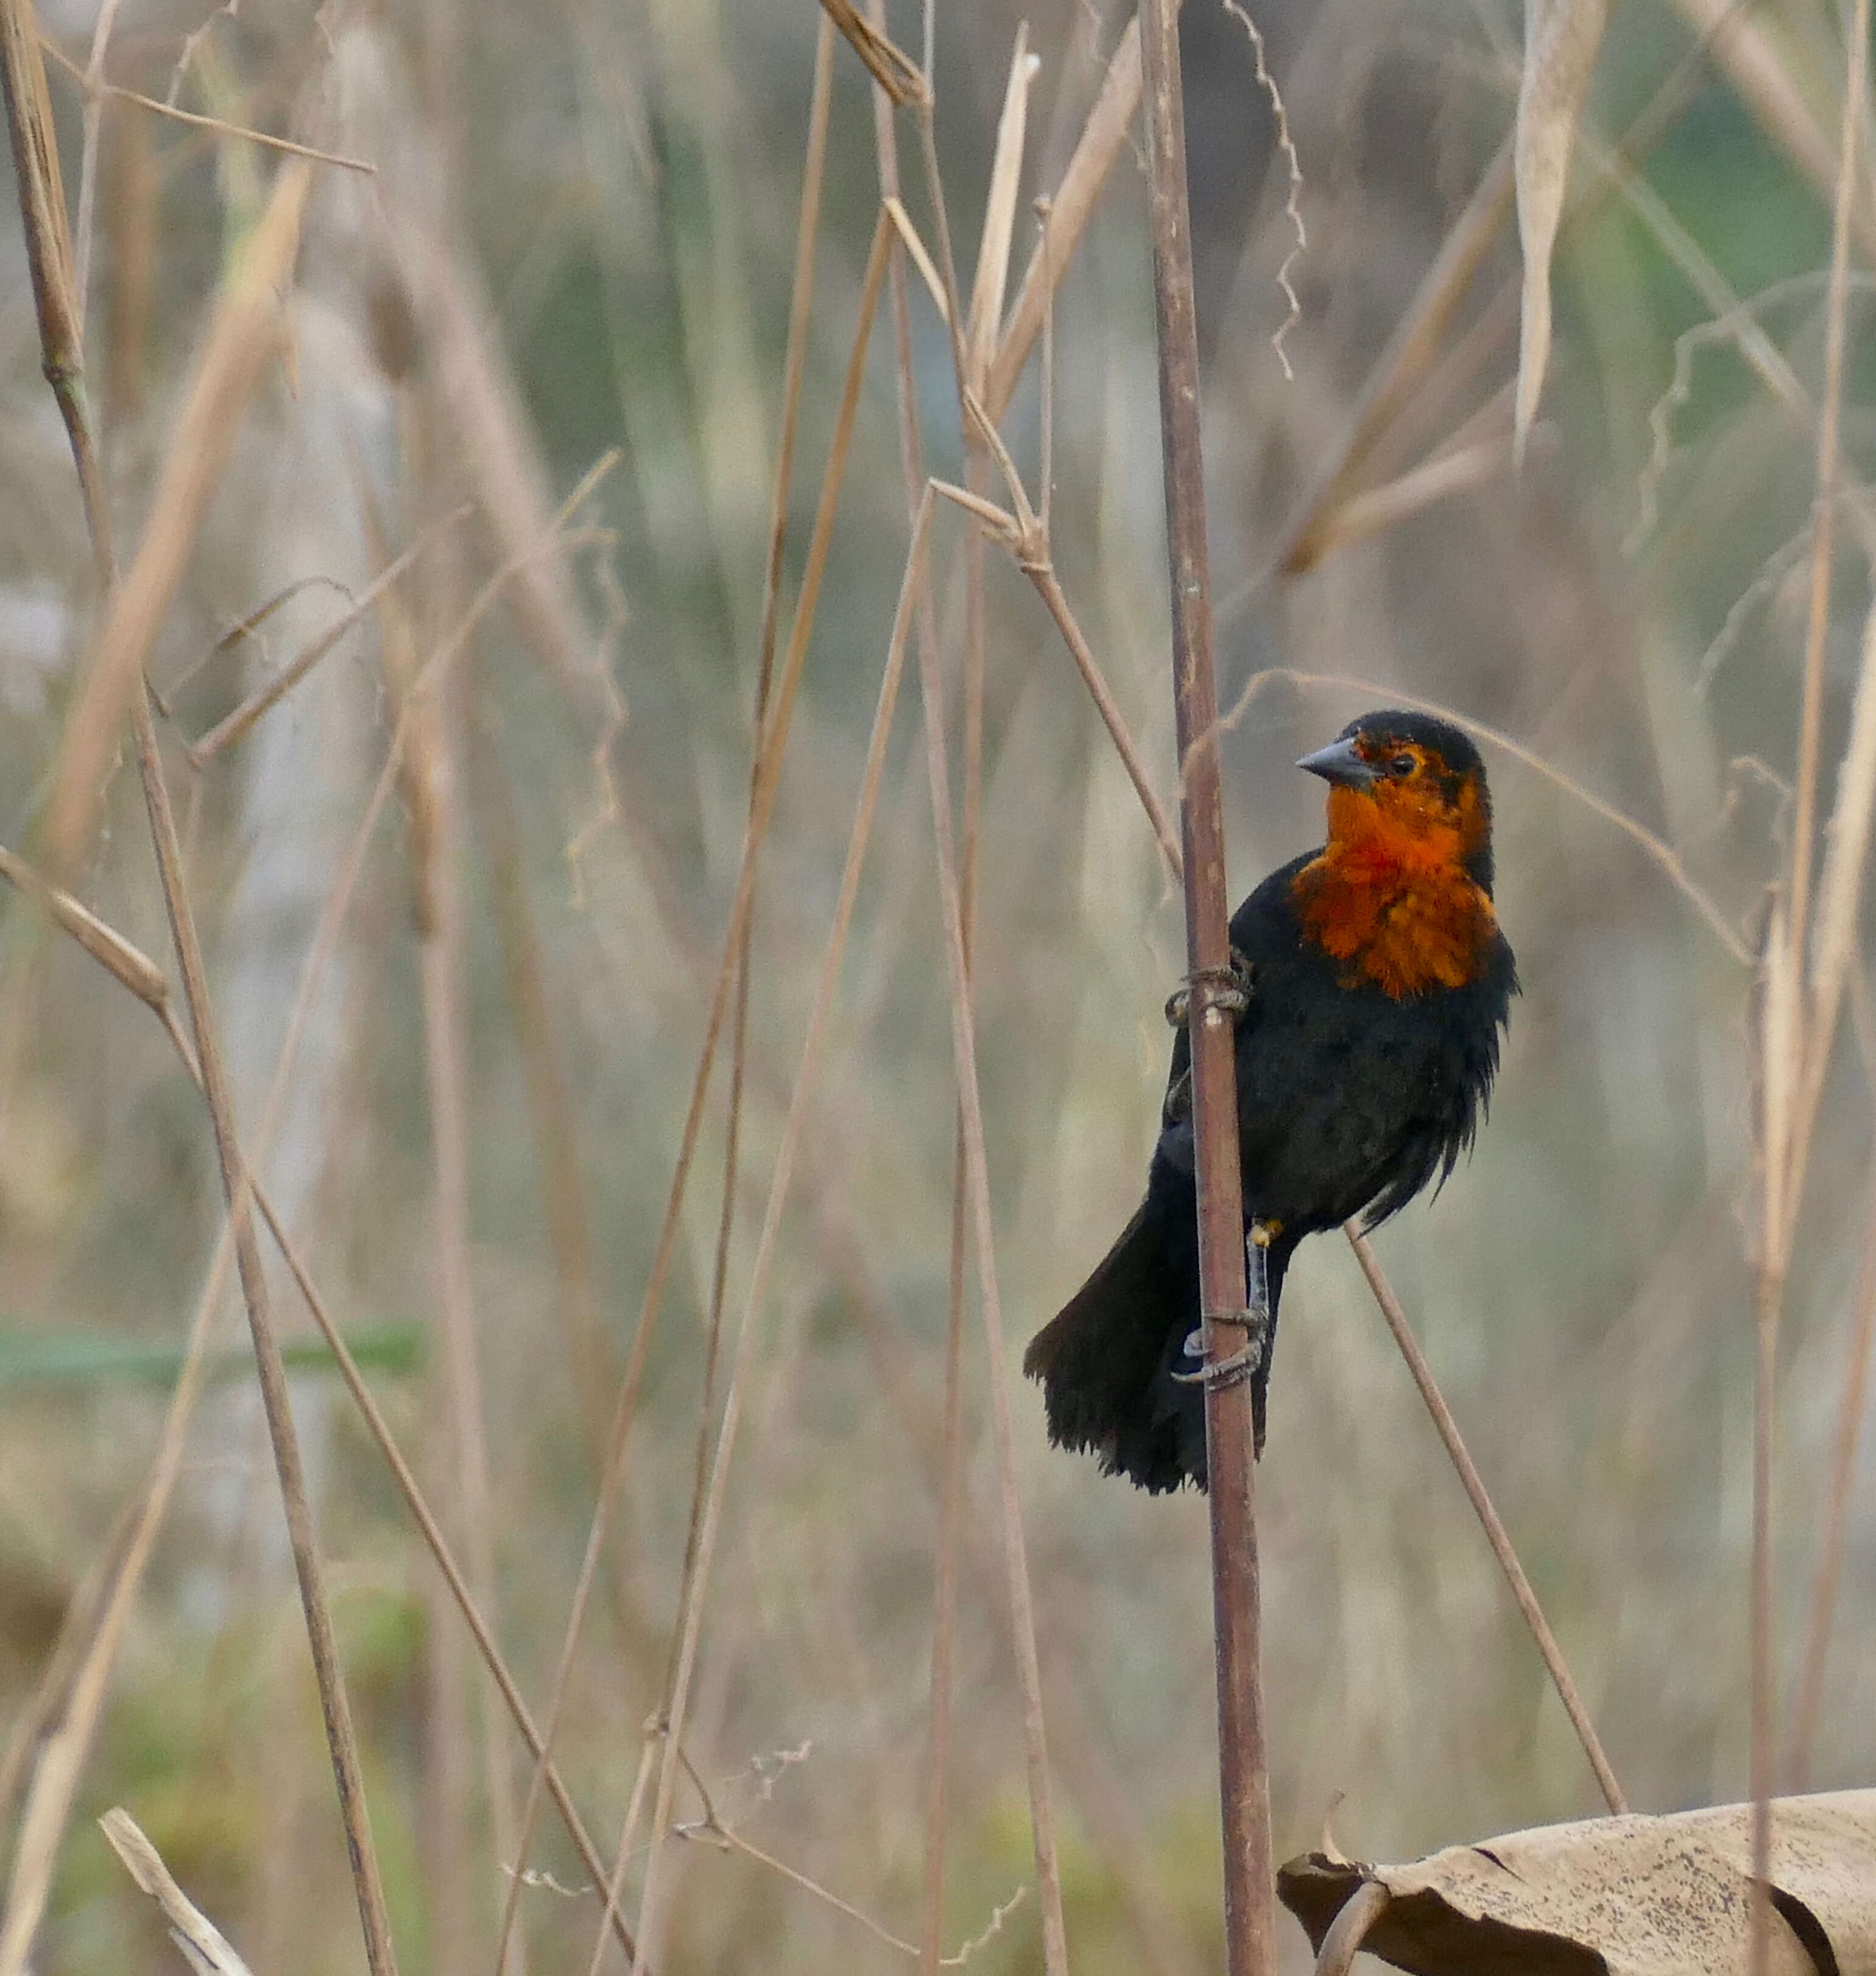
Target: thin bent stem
1496,1534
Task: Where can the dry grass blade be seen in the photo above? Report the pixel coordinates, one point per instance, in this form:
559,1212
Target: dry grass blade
921,256
1496,1535
133,967
57,297
1561,38
207,1948
240,1235
895,71
999,219
1023,535
242,334
324,943
1071,206
964,1050
734,1397
41,187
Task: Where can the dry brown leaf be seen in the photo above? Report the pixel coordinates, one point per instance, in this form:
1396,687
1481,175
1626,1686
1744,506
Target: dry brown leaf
1561,37
1632,1896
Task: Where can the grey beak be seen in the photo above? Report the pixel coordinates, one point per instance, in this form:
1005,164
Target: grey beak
1339,763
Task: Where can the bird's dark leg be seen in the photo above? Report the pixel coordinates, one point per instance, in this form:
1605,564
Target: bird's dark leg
1251,1360
1230,987
1259,1323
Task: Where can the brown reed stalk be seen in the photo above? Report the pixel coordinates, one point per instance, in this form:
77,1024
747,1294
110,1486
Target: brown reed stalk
1244,1784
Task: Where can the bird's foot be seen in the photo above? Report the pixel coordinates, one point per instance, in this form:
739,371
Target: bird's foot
1230,989
1236,1367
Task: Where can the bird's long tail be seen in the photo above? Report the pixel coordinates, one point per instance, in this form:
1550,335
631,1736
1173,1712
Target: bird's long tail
1107,1362
1103,1362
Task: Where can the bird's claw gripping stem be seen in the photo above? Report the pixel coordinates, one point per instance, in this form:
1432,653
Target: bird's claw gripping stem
1248,1361
1230,990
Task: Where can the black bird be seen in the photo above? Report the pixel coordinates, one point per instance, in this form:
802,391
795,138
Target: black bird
1378,982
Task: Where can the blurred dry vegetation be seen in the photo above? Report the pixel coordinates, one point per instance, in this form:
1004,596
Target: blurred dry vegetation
579,236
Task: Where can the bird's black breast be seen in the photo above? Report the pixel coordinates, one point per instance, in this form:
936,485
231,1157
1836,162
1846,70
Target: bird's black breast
1349,1100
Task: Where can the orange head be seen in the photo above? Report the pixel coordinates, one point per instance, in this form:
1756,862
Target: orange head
1402,891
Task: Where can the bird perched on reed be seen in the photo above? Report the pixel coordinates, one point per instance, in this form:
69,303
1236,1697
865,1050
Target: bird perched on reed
1377,982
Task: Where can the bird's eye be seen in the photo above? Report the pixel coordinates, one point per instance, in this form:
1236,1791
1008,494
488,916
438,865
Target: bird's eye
1401,765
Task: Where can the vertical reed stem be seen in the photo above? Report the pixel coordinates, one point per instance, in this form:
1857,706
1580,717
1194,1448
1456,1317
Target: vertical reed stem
1244,1786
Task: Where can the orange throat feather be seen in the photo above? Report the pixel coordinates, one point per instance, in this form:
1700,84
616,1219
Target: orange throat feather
1390,896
